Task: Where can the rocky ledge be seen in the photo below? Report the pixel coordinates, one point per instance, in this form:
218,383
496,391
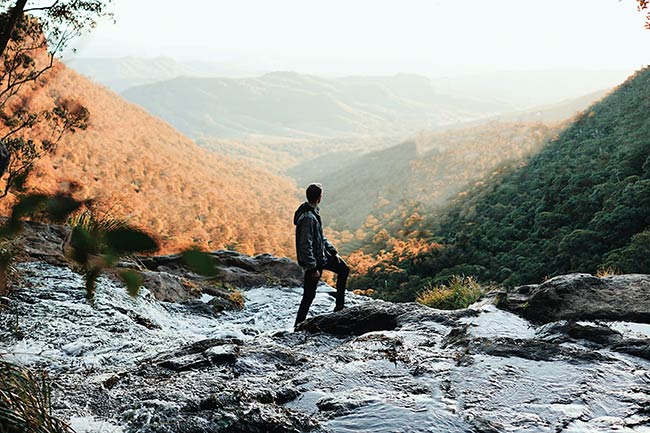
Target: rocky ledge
167,277
582,297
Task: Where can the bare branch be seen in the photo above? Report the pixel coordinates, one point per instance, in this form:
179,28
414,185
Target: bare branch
44,8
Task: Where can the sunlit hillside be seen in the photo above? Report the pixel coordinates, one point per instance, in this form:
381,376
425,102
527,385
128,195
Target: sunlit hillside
580,204
429,169
138,167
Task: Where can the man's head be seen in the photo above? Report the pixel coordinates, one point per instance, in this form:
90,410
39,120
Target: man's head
314,193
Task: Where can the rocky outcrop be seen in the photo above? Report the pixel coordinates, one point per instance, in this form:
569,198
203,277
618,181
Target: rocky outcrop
582,297
42,242
167,277
378,316
237,269
137,365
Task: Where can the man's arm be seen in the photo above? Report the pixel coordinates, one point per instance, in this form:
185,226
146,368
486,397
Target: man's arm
306,243
328,246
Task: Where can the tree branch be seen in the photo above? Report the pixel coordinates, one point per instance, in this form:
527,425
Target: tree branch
44,8
16,12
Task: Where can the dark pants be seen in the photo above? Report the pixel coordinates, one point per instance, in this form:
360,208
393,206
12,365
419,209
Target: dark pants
340,268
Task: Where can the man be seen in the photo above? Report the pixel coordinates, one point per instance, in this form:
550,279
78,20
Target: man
316,253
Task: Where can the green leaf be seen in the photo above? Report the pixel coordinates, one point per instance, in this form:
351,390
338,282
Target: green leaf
11,228
59,207
127,241
201,263
28,205
83,244
133,281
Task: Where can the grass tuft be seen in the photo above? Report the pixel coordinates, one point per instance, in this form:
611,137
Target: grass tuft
607,271
460,292
237,299
25,402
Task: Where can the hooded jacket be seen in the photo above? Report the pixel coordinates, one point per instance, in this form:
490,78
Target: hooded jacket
311,243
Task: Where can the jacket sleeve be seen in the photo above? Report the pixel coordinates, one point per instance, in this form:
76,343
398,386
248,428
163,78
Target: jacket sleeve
328,246
306,243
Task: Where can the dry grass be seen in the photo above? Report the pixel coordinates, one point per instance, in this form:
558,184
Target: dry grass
607,271
460,292
237,299
364,292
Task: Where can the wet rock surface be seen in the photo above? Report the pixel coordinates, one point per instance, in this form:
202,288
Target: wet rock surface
582,297
373,367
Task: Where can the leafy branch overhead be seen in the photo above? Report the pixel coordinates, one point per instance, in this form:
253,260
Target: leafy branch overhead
31,36
644,5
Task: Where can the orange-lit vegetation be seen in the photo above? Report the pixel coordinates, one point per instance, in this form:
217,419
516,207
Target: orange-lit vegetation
390,191
140,169
644,6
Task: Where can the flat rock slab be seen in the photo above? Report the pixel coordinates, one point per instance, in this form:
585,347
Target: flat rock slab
582,297
376,316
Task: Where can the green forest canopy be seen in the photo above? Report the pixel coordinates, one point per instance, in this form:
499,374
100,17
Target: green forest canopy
582,203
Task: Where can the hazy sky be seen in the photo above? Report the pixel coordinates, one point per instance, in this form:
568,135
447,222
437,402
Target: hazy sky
432,37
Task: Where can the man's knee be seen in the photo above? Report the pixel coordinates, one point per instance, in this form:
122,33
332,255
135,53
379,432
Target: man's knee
344,269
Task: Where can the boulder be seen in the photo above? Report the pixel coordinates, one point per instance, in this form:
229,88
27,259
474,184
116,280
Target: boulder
582,297
43,242
168,287
377,316
235,268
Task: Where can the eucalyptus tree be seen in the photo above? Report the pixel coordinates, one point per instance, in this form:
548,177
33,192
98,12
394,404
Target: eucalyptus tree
33,33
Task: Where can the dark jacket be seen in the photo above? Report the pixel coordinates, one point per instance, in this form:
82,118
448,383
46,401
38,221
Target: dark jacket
311,243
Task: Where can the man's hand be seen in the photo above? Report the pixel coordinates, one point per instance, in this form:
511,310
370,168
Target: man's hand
339,258
316,274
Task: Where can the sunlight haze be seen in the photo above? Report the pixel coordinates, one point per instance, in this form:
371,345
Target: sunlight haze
378,37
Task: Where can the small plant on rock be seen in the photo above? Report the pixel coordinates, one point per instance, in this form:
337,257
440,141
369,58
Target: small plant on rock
237,299
460,292
607,271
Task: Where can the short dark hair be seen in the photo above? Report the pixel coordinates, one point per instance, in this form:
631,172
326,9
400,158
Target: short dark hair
314,192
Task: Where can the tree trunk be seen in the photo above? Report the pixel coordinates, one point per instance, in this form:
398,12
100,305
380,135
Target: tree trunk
14,13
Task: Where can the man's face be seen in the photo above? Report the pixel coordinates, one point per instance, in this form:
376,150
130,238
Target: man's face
320,198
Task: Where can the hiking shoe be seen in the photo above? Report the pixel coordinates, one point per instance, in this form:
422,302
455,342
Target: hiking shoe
339,308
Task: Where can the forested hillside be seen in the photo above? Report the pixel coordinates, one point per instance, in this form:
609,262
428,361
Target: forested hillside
138,167
579,205
429,169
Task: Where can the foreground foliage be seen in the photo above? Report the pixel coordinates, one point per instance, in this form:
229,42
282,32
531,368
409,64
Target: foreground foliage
25,402
97,242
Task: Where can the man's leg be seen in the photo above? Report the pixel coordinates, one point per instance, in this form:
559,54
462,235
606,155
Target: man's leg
341,269
308,295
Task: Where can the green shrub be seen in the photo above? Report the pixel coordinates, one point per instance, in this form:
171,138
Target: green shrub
25,402
460,292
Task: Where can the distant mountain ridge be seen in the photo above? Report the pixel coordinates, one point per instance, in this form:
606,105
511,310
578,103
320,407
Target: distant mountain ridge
429,169
288,104
123,72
